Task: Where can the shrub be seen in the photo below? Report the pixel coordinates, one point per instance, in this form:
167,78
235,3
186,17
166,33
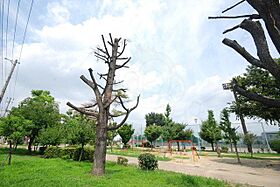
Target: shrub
87,155
147,161
42,150
224,149
67,153
122,161
52,152
275,145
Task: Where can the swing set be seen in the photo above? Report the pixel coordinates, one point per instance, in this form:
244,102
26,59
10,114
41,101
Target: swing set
193,148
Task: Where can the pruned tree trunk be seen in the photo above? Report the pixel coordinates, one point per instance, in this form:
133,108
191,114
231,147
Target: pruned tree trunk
105,96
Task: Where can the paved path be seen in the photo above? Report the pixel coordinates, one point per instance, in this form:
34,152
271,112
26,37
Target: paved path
252,172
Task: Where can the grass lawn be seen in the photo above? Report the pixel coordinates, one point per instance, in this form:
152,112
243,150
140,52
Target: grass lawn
36,171
135,153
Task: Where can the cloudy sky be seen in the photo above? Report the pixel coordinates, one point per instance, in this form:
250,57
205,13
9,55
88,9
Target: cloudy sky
177,53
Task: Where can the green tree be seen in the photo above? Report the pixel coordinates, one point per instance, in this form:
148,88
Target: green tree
79,129
13,128
41,109
229,133
167,114
51,135
155,119
152,133
249,140
111,135
125,132
210,131
259,81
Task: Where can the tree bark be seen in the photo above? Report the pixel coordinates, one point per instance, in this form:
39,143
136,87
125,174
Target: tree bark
81,153
231,149
100,148
31,140
10,153
178,146
237,155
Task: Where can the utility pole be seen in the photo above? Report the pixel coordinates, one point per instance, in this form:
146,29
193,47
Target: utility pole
14,63
6,109
228,86
266,141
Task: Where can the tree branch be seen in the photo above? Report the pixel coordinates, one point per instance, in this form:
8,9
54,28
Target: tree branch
123,65
233,6
231,29
126,115
272,103
250,16
124,45
82,110
243,52
104,43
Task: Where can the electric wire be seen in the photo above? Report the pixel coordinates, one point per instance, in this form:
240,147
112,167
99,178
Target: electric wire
7,27
15,29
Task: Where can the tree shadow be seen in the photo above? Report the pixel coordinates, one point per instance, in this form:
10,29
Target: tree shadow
253,163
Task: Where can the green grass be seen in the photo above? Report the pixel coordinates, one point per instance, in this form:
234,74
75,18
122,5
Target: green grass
135,153
35,171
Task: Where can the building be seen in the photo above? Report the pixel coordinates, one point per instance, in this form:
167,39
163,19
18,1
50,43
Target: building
273,135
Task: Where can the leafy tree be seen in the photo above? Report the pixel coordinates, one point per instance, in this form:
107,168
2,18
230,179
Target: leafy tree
125,132
13,128
167,116
155,119
268,12
229,133
51,135
249,140
79,129
41,109
111,135
210,131
152,133
262,82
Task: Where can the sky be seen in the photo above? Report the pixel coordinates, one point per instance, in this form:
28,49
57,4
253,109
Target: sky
177,53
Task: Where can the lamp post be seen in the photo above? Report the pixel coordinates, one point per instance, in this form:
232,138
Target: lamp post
228,86
198,137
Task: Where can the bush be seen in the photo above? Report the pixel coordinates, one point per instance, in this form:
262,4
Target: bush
147,161
67,153
224,149
122,161
146,144
42,150
87,155
52,152
275,145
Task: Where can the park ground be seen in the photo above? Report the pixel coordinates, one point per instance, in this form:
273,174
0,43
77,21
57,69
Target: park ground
261,170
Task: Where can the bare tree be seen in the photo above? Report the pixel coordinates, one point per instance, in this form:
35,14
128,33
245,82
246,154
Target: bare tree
269,12
105,96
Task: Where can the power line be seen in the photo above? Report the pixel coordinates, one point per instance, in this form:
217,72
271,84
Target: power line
7,26
15,30
2,45
24,35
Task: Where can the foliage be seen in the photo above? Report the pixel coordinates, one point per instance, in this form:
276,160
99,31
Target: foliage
229,133
41,109
210,131
13,128
69,153
58,172
111,135
155,119
152,133
224,149
249,138
275,145
125,133
79,129
122,161
51,135
147,161
262,82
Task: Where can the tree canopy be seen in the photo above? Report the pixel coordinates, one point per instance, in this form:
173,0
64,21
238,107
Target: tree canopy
125,132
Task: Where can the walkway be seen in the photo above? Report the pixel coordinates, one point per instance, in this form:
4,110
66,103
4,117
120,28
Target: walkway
252,172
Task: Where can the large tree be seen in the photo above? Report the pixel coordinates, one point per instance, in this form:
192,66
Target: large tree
155,119
41,109
269,12
260,81
210,130
104,96
229,133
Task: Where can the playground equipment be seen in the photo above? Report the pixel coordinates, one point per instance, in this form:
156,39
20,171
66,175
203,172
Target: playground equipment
195,154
